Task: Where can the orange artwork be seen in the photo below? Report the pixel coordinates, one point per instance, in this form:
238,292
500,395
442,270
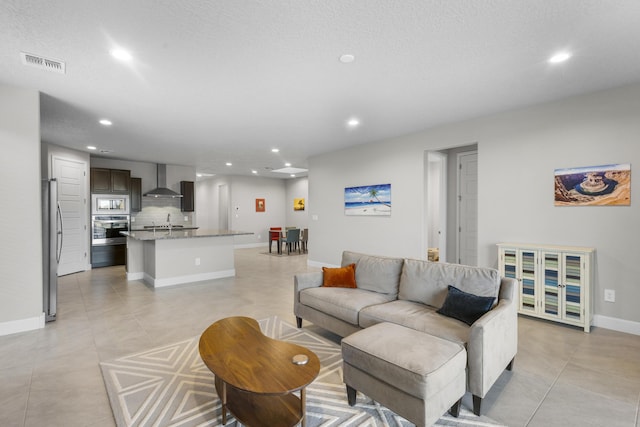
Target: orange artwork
259,205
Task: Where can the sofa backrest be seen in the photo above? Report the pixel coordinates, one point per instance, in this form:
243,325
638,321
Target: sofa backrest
427,282
375,273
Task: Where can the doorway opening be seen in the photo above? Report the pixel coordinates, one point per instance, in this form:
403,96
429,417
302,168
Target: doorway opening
451,205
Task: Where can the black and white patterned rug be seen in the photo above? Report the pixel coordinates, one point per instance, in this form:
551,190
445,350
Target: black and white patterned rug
170,386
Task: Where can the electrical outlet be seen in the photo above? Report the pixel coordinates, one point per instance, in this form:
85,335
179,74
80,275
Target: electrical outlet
609,295
133,219
186,218
259,237
197,261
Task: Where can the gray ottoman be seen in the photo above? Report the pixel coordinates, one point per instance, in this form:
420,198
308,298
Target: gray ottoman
416,375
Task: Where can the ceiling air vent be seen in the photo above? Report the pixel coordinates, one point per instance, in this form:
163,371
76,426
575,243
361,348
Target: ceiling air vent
43,63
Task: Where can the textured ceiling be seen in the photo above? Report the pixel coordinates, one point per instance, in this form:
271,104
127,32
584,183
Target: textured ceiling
225,81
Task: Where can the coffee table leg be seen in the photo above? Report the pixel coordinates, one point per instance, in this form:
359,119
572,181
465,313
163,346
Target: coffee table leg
303,408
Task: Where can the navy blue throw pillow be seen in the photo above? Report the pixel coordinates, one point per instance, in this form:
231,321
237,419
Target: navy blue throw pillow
465,307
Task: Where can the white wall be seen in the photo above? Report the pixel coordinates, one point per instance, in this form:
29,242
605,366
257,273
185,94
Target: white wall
243,194
518,153
297,188
21,250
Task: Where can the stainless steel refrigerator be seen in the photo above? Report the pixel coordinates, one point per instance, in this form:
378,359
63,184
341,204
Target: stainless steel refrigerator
51,246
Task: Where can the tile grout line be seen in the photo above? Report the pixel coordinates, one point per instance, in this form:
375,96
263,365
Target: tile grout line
551,386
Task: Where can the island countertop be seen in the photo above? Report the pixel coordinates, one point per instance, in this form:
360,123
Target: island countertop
181,234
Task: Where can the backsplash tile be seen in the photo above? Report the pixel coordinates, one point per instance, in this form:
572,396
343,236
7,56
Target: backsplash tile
155,211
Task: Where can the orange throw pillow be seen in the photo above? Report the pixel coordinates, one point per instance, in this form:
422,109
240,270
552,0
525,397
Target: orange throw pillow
344,277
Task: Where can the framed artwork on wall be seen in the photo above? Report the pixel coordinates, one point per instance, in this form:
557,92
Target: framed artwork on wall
370,200
606,185
298,204
260,206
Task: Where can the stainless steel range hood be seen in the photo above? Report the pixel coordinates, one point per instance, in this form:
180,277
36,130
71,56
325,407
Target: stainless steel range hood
162,191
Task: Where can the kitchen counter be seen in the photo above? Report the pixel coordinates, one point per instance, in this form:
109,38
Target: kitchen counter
180,233
167,258
162,227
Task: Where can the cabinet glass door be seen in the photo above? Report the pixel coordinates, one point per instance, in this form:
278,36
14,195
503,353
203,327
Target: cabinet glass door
551,299
528,281
573,282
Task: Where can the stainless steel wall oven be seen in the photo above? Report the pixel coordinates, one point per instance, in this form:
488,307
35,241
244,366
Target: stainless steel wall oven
105,229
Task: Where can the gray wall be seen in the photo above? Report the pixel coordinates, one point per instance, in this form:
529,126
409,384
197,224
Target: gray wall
20,218
518,153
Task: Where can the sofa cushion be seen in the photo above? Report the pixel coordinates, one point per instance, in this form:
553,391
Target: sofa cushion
465,307
375,273
342,303
343,277
427,282
416,316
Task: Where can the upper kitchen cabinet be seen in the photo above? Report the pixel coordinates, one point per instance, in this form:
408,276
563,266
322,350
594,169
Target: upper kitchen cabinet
110,181
136,194
188,202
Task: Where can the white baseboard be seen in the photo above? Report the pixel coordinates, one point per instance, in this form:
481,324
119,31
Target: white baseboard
22,325
250,245
135,276
160,283
616,324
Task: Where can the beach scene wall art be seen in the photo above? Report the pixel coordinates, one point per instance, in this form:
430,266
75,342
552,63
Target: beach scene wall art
371,200
606,185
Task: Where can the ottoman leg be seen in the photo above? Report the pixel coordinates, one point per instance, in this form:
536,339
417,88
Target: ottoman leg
351,395
299,322
455,409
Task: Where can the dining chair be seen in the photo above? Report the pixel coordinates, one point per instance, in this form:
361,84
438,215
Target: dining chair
292,239
275,233
304,238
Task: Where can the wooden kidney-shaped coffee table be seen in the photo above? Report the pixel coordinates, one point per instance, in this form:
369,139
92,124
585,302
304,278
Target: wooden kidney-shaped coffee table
255,375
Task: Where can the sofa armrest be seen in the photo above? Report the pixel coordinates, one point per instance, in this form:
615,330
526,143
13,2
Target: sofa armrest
306,280
493,341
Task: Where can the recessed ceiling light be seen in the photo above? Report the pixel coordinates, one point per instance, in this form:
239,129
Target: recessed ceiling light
347,58
287,164
105,122
275,150
353,122
121,54
292,175
91,147
559,57
228,163
254,171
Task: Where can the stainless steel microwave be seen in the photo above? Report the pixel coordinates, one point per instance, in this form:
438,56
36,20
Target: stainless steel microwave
109,204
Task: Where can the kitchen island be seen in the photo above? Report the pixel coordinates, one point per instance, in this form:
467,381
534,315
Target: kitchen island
176,256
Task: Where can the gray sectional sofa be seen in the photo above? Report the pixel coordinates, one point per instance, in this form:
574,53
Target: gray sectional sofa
409,292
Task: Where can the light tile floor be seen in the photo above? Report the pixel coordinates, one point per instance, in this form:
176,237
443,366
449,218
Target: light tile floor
51,377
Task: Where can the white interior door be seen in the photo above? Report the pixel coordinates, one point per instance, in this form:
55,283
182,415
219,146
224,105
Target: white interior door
71,176
468,208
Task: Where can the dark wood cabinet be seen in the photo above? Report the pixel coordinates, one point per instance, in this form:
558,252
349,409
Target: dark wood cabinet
188,201
108,255
120,181
100,180
136,194
110,180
